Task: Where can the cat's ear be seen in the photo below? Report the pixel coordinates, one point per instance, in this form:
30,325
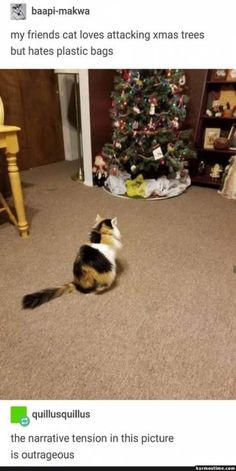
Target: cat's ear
98,218
114,222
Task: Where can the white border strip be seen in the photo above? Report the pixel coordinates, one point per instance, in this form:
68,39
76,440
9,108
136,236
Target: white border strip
65,83
86,126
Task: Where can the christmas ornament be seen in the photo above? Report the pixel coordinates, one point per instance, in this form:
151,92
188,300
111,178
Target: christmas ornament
151,124
126,74
133,168
170,148
157,152
174,89
136,109
182,80
139,83
118,144
175,123
114,170
152,109
181,101
135,125
153,100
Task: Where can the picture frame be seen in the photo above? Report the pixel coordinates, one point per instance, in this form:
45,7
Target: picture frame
210,135
219,74
231,75
232,138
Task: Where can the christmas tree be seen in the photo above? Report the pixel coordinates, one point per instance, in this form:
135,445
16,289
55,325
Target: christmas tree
148,113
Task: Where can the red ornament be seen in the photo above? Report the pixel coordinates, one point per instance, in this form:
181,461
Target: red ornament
126,74
153,100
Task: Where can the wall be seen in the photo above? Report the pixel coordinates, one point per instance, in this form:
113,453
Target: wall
100,88
195,82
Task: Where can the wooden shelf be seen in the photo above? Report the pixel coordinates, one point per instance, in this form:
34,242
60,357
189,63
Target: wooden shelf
218,151
212,156
205,180
221,82
233,118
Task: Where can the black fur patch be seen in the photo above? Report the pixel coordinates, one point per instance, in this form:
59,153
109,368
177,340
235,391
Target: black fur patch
77,268
95,259
95,237
107,222
33,300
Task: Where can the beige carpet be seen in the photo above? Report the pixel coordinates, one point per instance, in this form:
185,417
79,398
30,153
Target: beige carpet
165,331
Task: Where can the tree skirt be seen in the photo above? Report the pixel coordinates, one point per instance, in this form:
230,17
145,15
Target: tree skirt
153,190
150,198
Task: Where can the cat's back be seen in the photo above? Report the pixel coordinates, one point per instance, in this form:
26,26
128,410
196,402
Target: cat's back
97,256
105,250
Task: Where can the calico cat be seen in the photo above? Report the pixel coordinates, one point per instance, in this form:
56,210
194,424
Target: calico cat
94,267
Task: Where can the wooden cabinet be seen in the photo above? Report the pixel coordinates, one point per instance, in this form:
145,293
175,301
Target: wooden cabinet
216,117
31,101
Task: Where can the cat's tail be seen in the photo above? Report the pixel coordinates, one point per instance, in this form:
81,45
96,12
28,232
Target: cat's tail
33,300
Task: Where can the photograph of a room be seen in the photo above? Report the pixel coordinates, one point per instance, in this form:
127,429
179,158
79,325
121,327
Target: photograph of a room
152,152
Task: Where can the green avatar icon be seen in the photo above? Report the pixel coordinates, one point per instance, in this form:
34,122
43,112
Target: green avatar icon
19,415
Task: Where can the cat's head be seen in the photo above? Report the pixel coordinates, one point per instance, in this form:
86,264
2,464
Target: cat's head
105,226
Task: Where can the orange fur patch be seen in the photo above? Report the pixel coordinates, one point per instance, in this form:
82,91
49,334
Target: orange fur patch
91,277
107,239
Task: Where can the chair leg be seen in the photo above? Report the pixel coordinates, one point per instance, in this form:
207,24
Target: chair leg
17,194
7,209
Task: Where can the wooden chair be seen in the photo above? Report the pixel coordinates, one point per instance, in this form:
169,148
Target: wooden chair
9,142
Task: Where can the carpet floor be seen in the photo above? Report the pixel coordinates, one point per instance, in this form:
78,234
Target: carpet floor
166,330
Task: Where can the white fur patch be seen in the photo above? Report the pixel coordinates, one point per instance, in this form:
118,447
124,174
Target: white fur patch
109,252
